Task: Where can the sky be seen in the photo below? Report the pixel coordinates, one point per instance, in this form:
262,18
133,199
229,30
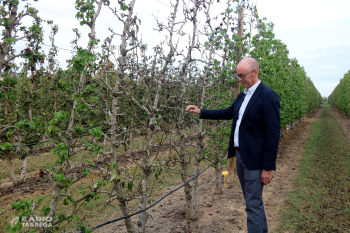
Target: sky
316,32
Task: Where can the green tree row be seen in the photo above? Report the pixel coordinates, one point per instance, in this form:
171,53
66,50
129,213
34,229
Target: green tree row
297,93
340,97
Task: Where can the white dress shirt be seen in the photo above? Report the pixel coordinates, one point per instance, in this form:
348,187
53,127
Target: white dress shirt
248,94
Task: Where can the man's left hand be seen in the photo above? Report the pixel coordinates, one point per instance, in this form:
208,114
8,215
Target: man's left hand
266,177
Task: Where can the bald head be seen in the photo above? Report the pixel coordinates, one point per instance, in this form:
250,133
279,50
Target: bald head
248,71
249,62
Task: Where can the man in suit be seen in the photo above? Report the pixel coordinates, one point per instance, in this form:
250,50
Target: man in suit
254,138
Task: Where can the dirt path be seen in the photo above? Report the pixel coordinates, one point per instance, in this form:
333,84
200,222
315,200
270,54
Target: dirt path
343,121
226,212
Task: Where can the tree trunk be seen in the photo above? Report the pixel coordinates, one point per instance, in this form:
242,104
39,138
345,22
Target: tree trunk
6,109
44,139
99,156
30,112
56,194
231,161
113,129
54,104
142,205
190,205
190,214
128,223
12,173
122,204
195,182
8,31
145,165
23,169
19,142
218,175
130,138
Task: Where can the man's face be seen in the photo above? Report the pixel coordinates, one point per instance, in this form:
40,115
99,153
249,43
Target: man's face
250,79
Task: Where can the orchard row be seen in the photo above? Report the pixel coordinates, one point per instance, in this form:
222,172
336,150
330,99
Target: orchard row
340,97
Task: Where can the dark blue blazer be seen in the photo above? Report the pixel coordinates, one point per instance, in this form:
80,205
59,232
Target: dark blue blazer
259,132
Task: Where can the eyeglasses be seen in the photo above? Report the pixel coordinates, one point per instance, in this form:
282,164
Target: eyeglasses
243,76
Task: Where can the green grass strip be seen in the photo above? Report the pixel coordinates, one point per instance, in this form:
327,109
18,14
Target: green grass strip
321,199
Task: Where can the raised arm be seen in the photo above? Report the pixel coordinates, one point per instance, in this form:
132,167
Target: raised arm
218,114
193,108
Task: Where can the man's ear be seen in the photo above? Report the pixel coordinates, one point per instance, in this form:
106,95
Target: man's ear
256,71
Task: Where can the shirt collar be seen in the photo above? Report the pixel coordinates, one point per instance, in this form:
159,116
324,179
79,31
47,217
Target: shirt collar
252,89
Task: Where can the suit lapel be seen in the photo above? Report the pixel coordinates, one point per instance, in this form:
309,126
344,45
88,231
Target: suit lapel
240,99
252,100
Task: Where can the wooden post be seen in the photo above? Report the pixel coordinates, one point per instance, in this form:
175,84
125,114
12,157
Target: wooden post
231,161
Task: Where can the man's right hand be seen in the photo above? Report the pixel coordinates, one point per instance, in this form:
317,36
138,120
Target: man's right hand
193,108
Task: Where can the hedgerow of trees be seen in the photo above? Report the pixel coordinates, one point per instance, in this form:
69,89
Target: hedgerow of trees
340,97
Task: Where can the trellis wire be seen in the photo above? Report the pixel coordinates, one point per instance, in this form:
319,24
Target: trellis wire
81,135
155,203
140,211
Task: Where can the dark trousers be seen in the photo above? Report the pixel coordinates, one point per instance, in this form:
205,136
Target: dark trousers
252,190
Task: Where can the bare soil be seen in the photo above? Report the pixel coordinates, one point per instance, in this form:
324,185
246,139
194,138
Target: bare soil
343,121
226,212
